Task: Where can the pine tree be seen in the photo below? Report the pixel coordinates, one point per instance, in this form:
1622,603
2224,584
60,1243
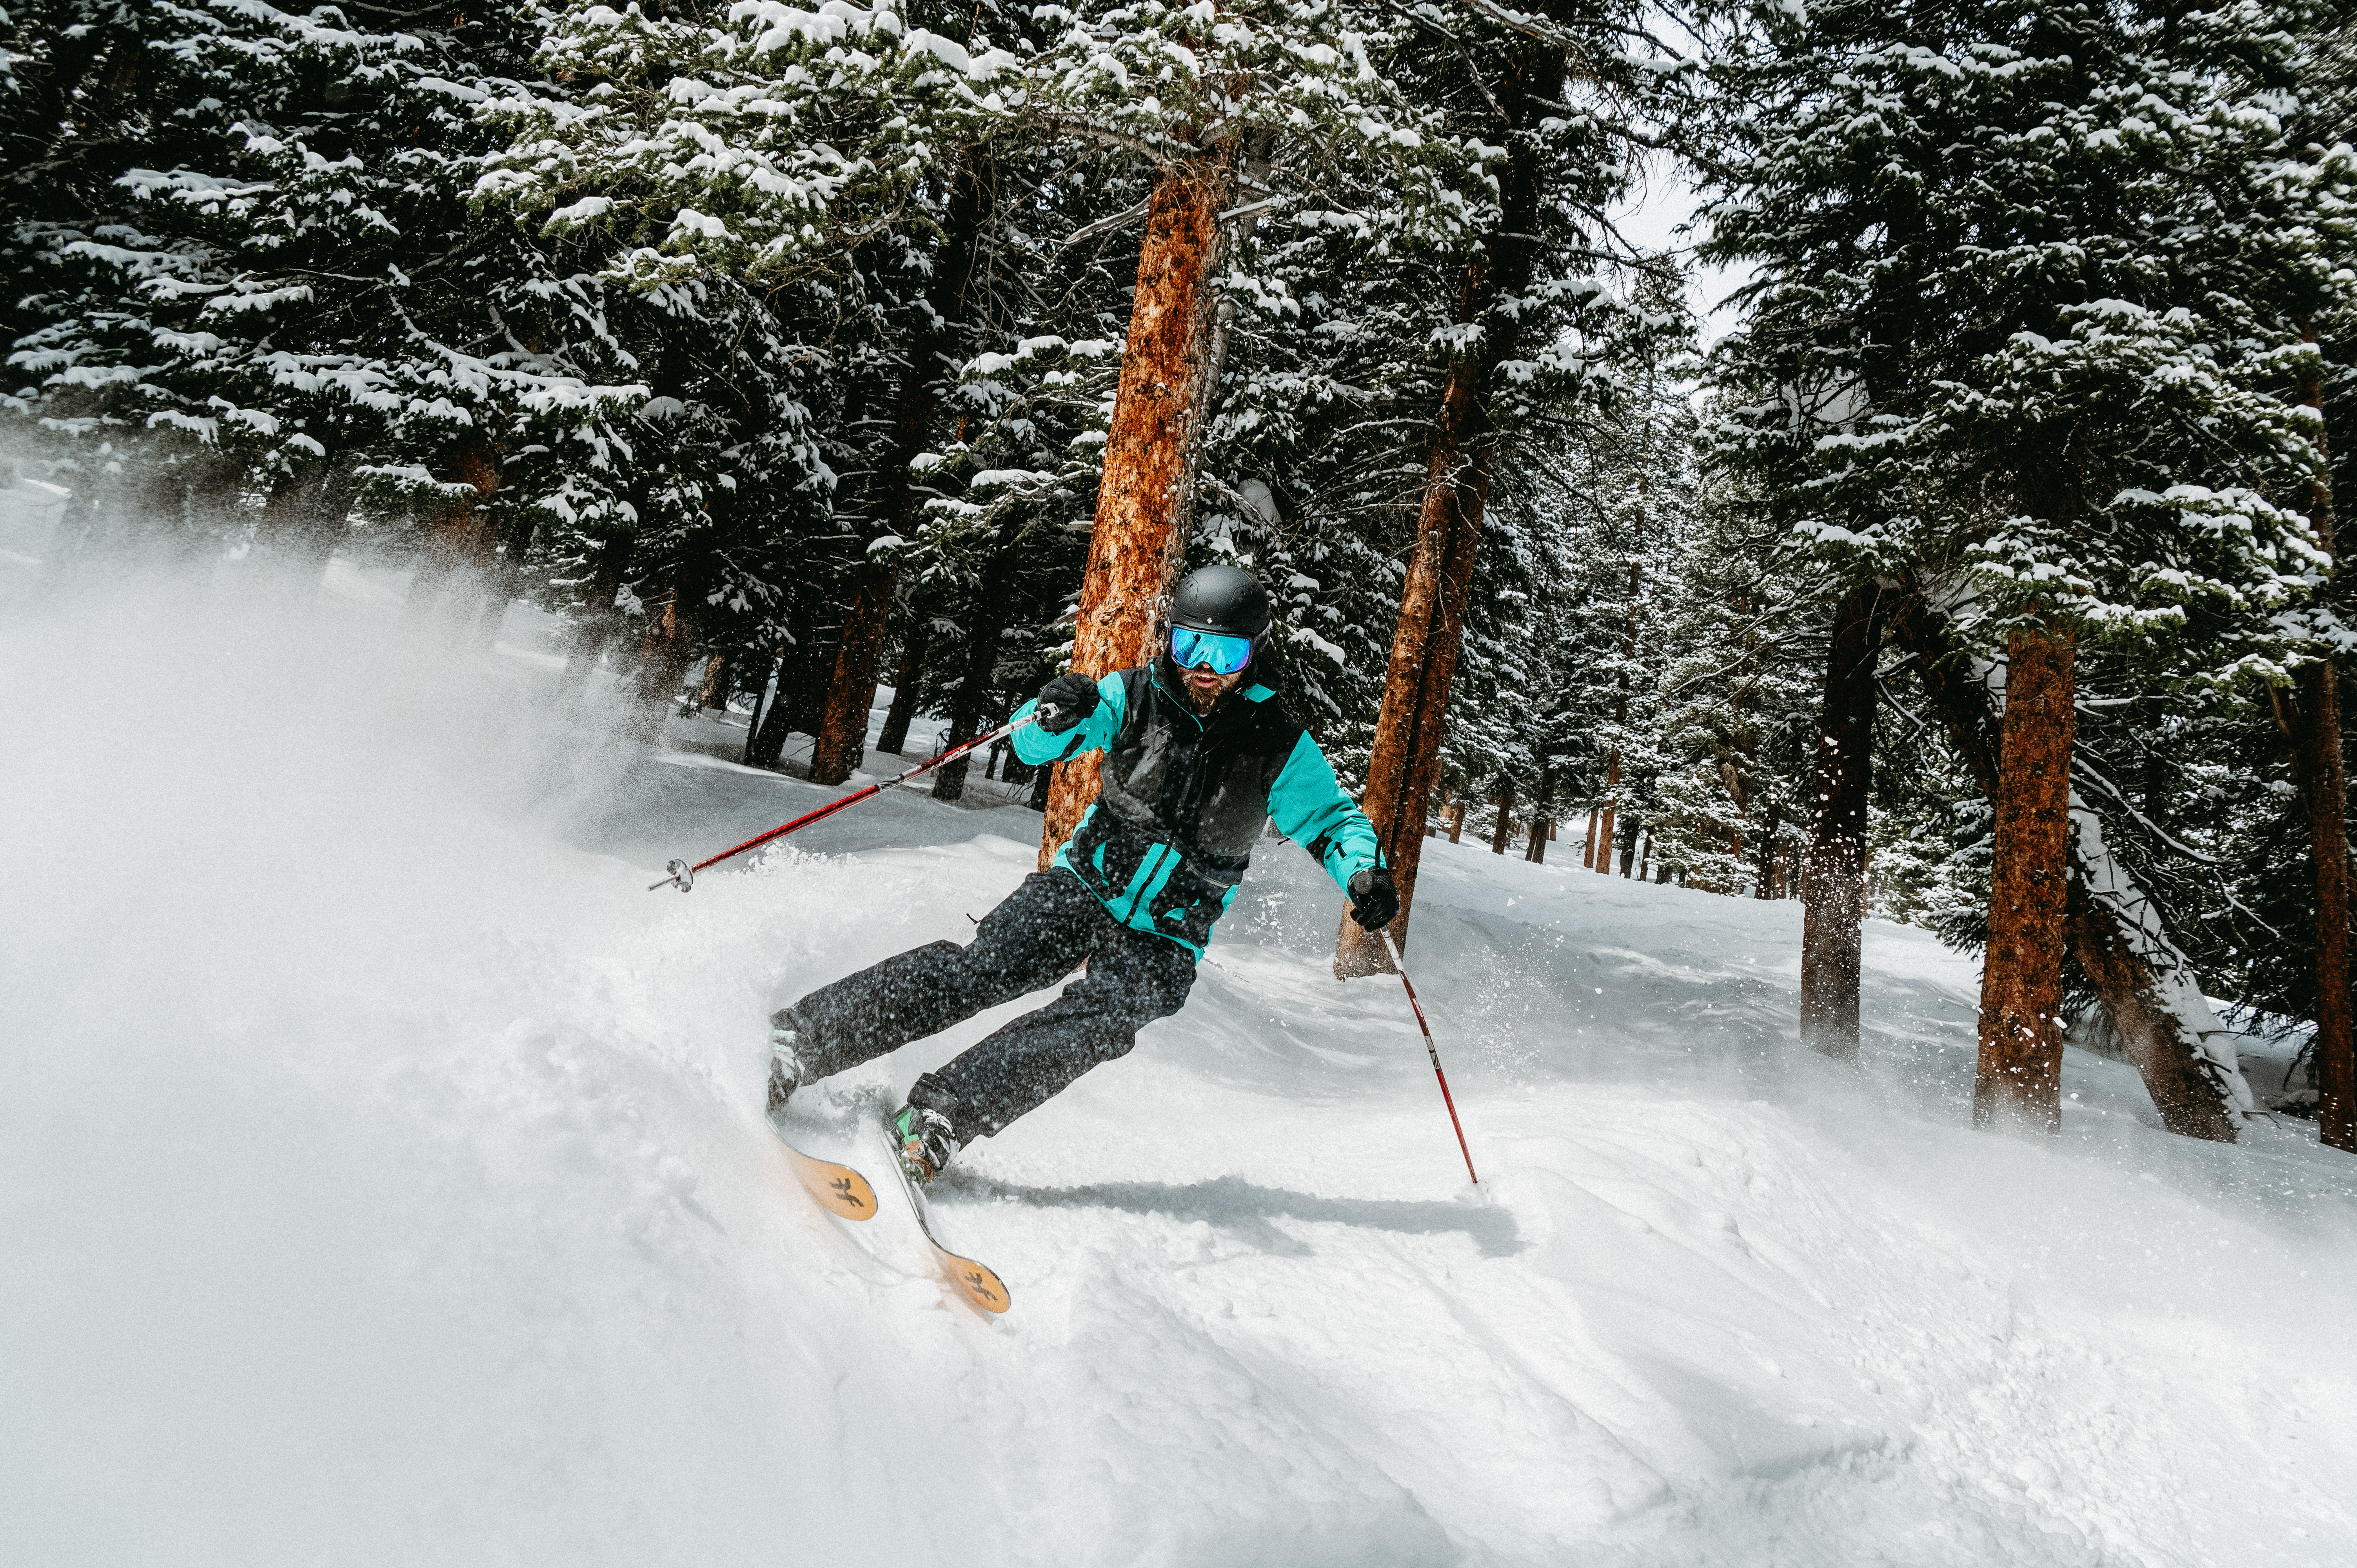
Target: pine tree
1514,315
258,288
2045,178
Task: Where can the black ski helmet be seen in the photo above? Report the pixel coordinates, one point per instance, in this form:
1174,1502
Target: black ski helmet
1222,598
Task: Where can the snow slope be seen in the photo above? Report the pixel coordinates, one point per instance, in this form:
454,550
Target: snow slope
381,1181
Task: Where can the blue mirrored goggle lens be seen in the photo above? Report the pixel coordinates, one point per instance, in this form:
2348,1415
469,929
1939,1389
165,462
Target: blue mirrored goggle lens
1224,654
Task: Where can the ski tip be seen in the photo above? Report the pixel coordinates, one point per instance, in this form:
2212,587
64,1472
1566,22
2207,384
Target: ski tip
978,1283
846,1192
839,1189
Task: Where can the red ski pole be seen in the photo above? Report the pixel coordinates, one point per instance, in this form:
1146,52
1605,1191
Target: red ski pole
1433,1051
682,876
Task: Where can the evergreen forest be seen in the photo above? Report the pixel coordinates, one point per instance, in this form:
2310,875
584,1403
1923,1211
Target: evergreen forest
1933,522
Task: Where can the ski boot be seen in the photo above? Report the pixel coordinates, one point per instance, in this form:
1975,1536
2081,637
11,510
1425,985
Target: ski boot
927,1140
786,1070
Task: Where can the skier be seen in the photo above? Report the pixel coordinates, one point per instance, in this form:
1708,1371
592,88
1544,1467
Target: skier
1197,754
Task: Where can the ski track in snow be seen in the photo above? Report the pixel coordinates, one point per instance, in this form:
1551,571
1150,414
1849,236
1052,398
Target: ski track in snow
383,1182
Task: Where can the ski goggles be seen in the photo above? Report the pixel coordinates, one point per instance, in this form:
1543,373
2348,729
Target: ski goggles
1190,649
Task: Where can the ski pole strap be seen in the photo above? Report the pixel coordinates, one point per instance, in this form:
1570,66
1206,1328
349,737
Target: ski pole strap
684,880
1431,1050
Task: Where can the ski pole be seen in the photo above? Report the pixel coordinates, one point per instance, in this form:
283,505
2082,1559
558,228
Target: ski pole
1433,1051
682,876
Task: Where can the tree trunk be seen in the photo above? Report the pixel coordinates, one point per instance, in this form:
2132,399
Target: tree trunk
2324,791
502,580
2117,936
718,687
986,622
1536,853
665,650
767,741
1604,825
805,699
841,726
1456,823
2317,762
767,700
1505,816
1259,147
1607,828
1587,853
462,540
1148,466
599,618
920,634
304,521
1767,867
2019,1080
2146,1010
803,664
1404,763
1833,877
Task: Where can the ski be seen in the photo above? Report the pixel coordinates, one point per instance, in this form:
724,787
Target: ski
978,1283
840,1190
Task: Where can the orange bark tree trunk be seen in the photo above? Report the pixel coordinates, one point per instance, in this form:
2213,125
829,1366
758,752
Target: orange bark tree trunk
666,647
1832,877
2019,1080
463,539
1148,465
1404,763
842,731
2314,718
2116,937
719,680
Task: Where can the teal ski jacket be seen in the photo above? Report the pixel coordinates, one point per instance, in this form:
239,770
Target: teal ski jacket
1184,795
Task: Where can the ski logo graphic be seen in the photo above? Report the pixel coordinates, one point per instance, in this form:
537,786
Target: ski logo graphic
839,1189
977,1282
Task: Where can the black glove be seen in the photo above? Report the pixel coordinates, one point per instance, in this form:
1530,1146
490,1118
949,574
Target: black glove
1074,698
1374,897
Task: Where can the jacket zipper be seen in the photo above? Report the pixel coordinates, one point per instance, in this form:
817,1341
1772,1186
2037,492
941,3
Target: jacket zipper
1194,790
1198,784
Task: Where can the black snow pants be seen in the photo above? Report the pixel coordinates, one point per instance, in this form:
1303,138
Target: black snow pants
1043,929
